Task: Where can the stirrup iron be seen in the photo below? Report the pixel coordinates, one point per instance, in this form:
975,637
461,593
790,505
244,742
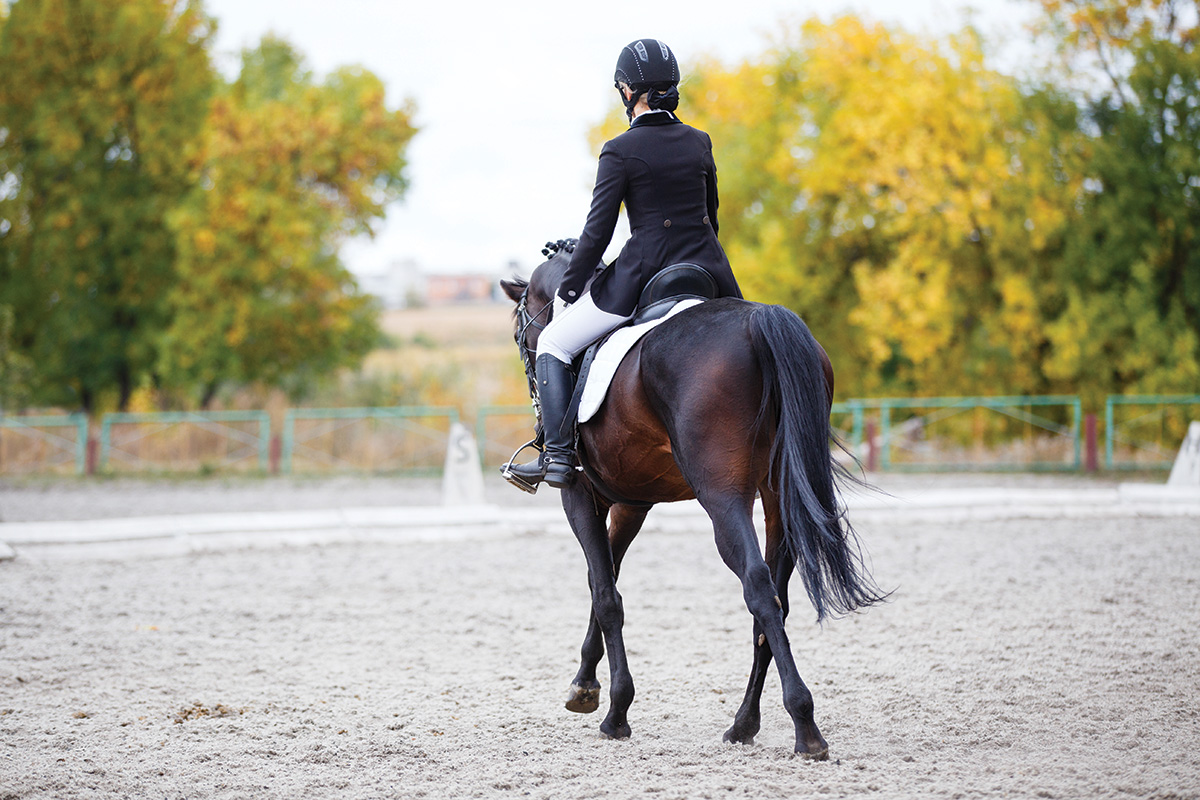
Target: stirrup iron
516,480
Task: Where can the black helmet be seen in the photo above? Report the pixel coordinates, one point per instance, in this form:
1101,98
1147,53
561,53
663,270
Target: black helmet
645,63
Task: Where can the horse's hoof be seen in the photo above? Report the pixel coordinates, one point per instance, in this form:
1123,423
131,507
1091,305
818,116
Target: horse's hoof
584,699
732,737
821,754
743,730
612,731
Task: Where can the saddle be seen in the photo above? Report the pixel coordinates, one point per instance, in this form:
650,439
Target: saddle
669,286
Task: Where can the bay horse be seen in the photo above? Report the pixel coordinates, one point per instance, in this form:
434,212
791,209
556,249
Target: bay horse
722,401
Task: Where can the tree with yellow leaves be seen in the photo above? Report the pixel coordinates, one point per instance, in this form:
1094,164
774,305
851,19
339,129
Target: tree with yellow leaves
904,198
289,168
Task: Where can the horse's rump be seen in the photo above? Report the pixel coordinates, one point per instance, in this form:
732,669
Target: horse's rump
729,398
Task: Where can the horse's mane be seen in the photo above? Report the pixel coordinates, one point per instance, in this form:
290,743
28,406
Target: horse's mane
553,251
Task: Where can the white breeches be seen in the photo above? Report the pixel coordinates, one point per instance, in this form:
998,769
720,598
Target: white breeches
572,330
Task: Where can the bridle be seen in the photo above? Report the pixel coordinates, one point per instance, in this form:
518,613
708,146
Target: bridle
525,321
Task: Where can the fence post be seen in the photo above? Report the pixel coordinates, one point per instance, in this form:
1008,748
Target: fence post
1110,433
82,435
885,434
872,447
857,435
1091,458
276,452
93,451
289,438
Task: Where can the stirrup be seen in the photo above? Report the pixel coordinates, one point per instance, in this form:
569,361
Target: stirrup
516,480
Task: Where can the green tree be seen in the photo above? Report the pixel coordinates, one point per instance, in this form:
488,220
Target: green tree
1132,266
290,167
16,371
101,105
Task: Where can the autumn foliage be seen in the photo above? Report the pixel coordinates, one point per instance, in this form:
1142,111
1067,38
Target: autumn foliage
162,229
287,169
947,229
101,103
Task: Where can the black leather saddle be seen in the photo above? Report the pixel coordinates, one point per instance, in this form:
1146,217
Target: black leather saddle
669,286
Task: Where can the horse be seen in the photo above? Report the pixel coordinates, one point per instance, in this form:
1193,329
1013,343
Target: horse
723,401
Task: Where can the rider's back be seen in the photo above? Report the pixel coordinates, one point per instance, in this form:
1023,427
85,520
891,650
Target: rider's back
663,171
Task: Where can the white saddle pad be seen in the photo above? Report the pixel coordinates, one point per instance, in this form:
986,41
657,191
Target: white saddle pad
610,355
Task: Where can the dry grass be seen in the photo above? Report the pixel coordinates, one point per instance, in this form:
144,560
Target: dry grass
452,325
456,355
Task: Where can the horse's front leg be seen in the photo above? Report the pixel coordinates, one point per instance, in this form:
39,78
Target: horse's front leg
607,609
624,522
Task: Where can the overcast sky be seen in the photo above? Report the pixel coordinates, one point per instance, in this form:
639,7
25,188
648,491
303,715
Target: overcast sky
506,92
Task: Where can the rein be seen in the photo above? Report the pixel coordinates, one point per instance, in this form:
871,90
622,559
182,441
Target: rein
525,321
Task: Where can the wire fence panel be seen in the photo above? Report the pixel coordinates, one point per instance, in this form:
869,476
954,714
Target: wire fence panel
500,430
406,440
905,434
43,445
1041,433
200,441
1145,431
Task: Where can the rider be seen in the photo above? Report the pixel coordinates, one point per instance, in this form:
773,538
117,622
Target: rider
663,171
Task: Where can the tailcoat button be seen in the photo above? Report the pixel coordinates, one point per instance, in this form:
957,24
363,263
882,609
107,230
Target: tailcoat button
666,223
705,220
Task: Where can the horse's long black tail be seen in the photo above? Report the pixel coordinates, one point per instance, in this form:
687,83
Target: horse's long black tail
816,532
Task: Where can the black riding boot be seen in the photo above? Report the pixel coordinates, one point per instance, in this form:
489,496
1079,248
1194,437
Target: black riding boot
556,466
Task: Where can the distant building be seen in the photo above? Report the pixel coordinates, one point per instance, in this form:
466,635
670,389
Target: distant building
401,285
446,290
404,285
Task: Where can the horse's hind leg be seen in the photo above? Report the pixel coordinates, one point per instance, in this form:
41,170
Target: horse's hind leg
624,522
779,561
738,545
607,609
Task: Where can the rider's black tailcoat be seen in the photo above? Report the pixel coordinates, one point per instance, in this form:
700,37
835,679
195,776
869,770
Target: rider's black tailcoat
663,171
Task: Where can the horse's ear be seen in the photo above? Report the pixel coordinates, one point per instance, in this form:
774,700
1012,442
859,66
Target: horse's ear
514,288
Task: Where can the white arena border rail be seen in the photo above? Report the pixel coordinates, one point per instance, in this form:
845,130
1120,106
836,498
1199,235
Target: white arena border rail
191,533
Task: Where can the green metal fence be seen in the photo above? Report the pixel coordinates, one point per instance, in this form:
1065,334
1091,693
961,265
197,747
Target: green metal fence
1145,431
409,440
45,444
847,420
185,441
1038,433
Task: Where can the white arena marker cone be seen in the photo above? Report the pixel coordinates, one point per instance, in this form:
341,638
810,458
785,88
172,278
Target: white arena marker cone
462,481
1186,470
